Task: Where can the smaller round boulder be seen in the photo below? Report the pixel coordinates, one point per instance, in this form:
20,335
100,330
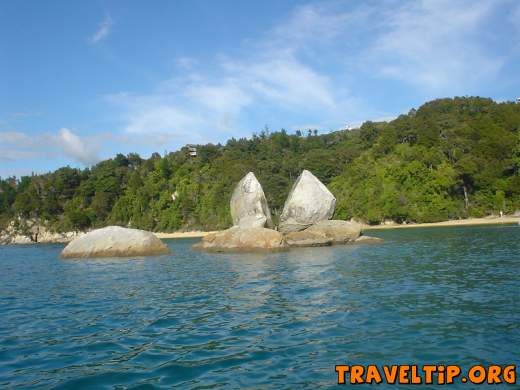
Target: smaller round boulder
115,241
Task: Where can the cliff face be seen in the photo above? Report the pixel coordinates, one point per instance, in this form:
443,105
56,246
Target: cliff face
20,231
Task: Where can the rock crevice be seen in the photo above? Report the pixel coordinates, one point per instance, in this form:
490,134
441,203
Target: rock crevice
304,222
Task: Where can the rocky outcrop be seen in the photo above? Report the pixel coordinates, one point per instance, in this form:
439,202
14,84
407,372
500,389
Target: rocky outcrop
238,239
15,239
308,202
115,241
46,236
306,239
250,213
248,204
340,232
304,221
16,232
20,231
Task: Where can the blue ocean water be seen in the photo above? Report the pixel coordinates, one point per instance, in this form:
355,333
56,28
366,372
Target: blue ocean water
280,320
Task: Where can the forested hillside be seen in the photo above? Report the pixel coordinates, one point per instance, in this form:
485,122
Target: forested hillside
451,158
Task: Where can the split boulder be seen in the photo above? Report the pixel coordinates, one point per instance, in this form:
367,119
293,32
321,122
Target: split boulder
308,203
248,204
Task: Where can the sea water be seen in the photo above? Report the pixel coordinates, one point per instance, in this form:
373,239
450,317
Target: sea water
278,320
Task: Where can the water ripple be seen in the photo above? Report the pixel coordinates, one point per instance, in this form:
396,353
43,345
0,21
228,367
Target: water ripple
194,320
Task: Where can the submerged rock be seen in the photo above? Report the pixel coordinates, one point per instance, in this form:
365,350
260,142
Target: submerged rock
339,232
305,239
248,204
115,241
308,203
368,240
237,239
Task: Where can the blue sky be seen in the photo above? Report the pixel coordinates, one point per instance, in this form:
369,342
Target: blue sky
83,80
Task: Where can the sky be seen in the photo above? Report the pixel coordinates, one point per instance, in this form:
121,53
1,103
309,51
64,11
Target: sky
81,81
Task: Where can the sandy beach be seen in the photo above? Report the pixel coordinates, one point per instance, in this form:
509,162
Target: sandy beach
454,222
192,234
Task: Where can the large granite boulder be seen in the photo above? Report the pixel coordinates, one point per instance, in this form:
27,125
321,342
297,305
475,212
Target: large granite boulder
237,239
248,204
339,232
308,202
305,239
115,241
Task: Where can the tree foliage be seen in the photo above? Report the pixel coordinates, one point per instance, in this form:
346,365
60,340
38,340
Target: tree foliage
451,158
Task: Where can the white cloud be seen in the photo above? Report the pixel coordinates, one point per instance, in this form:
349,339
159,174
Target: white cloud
186,63
16,145
270,73
189,108
435,44
227,96
308,63
15,155
289,82
154,114
76,147
313,27
320,65
103,30
14,137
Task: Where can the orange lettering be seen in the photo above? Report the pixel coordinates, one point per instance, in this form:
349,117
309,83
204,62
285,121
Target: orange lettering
429,370
494,374
441,375
373,375
474,378
451,373
416,379
510,375
403,375
390,374
356,374
341,370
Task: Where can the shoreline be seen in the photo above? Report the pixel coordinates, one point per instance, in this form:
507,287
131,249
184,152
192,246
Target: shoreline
451,222
66,237
192,234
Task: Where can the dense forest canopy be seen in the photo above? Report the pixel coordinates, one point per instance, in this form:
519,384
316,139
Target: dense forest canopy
451,158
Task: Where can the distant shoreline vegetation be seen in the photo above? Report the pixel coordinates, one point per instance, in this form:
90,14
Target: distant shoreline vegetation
449,159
